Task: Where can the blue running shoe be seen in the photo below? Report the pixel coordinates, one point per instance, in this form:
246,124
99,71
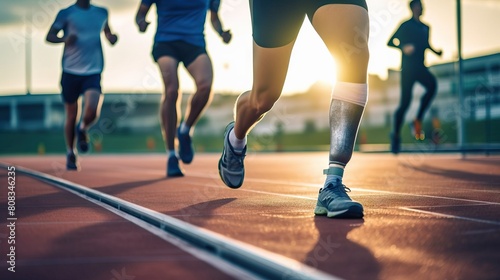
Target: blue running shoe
71,162
173,169
395,144
82,140
334,202
186,149
231,169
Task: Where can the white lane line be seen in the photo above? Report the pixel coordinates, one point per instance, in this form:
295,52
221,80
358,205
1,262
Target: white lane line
237,259
448,205
450,216
476,202
317,186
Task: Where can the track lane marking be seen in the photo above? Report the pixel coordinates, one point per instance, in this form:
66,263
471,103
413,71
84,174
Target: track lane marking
450,216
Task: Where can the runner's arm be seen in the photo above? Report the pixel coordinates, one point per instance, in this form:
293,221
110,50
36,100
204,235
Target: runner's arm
140,17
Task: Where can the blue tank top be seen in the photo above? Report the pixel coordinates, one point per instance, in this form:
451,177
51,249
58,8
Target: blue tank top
182,19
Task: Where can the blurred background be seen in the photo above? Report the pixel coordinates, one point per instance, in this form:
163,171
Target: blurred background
465,115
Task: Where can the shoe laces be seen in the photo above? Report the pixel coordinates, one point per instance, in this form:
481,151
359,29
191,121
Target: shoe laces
233,160
337,188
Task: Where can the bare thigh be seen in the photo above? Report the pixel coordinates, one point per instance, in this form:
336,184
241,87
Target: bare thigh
344,29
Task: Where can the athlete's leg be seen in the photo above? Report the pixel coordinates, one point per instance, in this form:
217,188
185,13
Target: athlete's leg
270,66
275,26
72,115
91,108
170,103
407,82
202,73
344,29
429,82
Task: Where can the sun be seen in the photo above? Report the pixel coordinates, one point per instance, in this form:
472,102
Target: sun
311,62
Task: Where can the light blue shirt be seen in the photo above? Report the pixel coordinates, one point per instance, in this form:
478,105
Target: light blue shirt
182,19
85,57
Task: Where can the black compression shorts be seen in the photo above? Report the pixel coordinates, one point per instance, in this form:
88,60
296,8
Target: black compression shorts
276,23
75,85
180,50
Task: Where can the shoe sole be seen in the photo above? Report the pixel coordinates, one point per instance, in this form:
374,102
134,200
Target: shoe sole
173,175
353,212
71,168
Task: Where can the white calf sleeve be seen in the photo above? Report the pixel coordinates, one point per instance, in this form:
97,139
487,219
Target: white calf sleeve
351,92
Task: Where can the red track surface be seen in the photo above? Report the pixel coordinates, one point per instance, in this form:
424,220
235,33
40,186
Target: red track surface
426,216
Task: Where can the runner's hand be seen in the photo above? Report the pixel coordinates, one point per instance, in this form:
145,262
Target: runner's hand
226,36
143,25
112,39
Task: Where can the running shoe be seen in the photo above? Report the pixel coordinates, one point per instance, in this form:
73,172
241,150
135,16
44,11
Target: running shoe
71,162
334,202
231,168
82,140
416,127
395,144
173,169
186,149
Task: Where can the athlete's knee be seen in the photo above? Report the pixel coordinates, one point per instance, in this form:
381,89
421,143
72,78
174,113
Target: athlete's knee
262,102
90,116
204,86
171,95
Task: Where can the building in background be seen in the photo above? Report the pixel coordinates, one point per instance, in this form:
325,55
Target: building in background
295,113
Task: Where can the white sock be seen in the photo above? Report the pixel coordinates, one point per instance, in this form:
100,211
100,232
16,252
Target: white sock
81,126
237,144
69,151
184,129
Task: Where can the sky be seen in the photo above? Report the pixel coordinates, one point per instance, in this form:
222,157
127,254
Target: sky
129,67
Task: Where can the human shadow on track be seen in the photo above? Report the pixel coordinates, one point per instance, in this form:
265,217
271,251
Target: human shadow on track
487,161
32,205
473,176
337,254
118,188
112,249
199,211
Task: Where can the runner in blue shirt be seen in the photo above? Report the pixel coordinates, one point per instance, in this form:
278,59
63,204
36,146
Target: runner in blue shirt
82,65
180,38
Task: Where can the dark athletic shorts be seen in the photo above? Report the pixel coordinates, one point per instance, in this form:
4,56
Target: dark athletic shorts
75,85
276,23
180,50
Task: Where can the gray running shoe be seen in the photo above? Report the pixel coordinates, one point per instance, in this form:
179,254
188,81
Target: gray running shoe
334,202
231,169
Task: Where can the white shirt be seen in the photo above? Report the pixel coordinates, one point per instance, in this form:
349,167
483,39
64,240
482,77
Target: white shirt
85,56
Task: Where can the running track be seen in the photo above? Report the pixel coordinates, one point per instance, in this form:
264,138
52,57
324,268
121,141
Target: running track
427,216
